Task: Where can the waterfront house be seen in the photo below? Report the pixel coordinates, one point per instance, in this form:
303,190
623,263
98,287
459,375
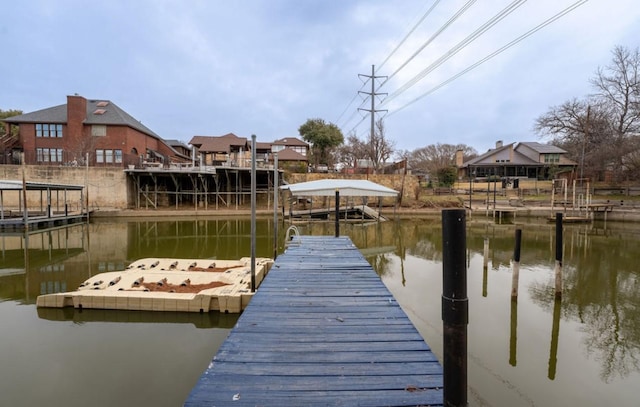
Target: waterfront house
94,132
517,160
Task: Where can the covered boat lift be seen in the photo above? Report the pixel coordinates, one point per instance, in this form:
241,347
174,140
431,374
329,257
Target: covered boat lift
52,209
339,188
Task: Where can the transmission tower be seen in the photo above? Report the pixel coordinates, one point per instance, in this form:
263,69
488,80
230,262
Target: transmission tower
372,95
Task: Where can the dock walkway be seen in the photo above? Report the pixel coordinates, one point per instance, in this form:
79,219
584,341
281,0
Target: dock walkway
322,329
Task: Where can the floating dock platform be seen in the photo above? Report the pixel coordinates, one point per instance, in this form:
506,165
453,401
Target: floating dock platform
158,284
322,330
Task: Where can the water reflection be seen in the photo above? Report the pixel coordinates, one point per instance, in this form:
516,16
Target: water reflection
198,320
598,312
517,348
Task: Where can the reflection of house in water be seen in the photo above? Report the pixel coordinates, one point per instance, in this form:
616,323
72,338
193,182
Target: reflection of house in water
41,261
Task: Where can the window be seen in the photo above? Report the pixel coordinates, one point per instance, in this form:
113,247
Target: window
109,156
48,130
551,158
46,155
99,130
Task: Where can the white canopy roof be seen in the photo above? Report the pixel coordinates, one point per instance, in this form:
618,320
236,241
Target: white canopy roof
346,187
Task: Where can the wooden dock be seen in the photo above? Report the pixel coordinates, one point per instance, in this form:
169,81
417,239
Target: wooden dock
40,221
352,212
322,330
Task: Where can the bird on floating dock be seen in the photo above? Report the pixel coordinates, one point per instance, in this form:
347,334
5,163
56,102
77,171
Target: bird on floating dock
137,282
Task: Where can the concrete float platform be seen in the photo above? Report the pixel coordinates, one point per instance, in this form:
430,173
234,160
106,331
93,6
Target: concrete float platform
160,284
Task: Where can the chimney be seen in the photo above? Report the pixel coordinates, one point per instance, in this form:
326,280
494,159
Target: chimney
498,143
76,115
459,158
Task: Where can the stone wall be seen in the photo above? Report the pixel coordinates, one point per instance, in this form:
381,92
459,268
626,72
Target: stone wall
107,186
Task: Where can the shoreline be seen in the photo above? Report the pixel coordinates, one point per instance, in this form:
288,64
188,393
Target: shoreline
540,212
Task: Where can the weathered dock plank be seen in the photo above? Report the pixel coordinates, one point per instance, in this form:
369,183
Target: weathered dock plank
322,330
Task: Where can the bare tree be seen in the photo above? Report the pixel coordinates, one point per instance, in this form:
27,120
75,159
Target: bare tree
350,152
380,147
599,131
435,157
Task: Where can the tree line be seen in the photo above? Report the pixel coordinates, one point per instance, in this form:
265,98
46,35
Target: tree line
601,131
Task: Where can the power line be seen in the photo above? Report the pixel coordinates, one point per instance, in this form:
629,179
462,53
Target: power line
357,124
347,108
457,48
349,105
425,15
446,25
497,52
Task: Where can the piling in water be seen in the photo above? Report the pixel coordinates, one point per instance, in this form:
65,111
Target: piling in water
516,265
558,270
455,307
337,234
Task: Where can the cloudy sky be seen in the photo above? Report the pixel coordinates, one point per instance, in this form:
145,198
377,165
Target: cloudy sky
187,68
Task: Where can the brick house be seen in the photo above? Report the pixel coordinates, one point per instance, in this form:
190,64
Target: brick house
81,129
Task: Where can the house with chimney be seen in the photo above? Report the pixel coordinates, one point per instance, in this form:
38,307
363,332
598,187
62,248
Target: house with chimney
517,160
94,132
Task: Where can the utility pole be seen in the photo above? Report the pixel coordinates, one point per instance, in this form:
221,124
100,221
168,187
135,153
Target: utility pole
373,110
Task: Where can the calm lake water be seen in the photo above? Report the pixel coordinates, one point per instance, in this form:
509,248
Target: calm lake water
582,351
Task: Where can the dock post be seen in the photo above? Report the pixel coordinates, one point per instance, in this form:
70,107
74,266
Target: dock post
276,175
337,213
485,267
516,266
455,307
253,214
558,270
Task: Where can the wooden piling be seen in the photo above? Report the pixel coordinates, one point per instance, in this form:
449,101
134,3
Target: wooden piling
516,265
455,307
485,267
558,270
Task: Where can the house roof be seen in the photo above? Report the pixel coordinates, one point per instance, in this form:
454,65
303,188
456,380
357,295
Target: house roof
346,187
288,154
218,144
542,148
98,112
290,141
177,143
517,158
263,145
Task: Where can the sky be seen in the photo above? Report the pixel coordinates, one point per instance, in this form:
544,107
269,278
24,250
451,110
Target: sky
186,67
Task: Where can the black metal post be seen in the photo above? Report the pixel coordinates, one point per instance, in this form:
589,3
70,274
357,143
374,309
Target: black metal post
455,306
337,213
516,266
516,249
559,244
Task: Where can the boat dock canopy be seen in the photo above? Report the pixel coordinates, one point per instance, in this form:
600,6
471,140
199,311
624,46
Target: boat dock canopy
346,187
11,185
